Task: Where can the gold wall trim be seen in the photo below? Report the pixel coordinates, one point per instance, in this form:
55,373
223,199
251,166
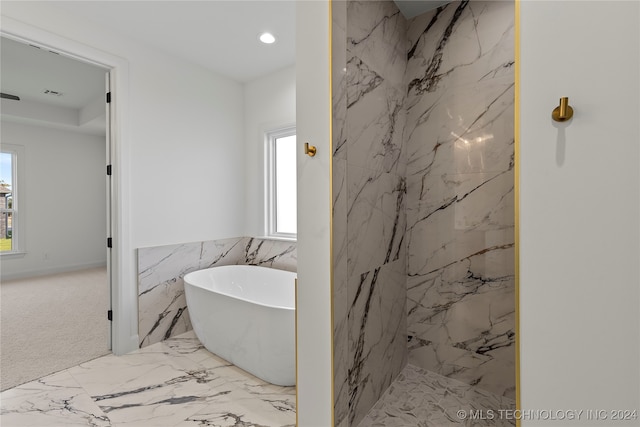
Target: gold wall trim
295,288
516,194
331,269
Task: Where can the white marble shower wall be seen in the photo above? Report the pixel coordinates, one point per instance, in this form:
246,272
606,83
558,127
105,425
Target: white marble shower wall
460,214
369,190
423,197
162,307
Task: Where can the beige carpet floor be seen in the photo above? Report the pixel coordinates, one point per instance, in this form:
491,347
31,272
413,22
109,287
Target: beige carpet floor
51,323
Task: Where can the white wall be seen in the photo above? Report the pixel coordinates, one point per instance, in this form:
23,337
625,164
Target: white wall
181,168
314,326
269,103
63,200
580,210
187,156
185,136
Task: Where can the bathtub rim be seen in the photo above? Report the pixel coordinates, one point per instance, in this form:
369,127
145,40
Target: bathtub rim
248,301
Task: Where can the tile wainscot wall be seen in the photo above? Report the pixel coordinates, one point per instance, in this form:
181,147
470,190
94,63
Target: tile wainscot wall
162,306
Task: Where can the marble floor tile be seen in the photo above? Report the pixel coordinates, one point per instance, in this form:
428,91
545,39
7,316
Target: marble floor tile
179,383
55,400
419,398
172,383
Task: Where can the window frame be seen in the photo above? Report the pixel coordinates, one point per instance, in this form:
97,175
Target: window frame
270,137
17,161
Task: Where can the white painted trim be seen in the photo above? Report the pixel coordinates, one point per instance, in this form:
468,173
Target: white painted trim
124,296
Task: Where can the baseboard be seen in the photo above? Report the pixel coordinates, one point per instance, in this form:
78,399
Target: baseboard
52,270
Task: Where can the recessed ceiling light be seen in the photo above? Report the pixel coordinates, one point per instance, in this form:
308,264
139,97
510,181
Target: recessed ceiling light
267,38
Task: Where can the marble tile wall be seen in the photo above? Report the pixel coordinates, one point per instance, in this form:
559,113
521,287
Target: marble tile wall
369,190
340,299
423,197
162,306
460,215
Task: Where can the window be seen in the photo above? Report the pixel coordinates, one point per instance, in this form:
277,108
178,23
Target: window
281,199
8,206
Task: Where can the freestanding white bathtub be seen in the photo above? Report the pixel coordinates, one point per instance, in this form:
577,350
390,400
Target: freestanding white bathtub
246,315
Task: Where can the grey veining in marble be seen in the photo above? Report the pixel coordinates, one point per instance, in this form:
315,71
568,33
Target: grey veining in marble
420,398
423,197
173,383
377,335
162,304
339,241
369,189
460,215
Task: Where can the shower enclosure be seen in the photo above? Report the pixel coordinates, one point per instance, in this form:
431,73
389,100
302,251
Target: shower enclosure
423,212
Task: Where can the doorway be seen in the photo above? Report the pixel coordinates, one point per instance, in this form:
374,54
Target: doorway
56,273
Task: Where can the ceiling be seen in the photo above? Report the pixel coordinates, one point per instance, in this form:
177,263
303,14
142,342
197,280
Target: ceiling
29,71
76,90
220,35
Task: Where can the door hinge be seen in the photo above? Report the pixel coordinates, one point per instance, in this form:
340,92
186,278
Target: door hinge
109,242
110,314
108,97
109,170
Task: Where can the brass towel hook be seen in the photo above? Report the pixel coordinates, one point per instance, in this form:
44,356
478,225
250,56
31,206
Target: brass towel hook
309,150
564,112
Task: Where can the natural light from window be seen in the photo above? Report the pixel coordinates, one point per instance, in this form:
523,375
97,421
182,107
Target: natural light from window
6,201
286,220
281,178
